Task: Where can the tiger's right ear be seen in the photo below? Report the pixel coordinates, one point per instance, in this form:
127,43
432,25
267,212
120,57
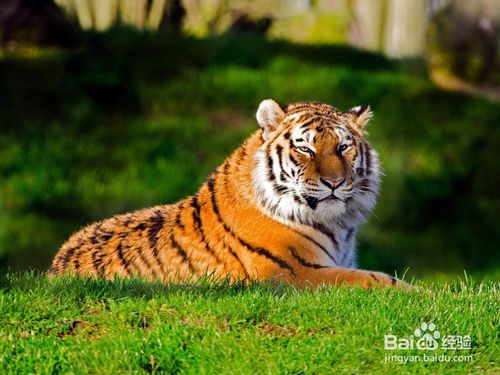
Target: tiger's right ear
269,116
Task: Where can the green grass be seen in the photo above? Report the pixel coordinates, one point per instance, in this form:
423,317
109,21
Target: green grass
81,326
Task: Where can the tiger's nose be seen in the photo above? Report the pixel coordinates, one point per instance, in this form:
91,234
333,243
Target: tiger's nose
332,183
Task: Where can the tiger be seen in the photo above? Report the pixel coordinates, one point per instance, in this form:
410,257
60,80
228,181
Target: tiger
283,207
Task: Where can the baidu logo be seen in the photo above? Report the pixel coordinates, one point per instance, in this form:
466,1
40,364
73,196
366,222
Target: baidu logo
427,337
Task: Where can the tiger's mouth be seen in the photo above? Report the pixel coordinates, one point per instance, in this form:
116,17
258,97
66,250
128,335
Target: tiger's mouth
331,197
312,202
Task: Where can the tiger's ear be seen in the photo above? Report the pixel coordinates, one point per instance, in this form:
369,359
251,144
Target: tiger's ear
361,115
269,116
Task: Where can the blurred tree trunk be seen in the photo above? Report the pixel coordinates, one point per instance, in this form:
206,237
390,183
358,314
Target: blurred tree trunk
105,13
82,9
133,12
102,14
405,28
395,27
156,13
367,29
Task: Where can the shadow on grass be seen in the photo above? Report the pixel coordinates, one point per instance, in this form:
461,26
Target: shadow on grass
80,287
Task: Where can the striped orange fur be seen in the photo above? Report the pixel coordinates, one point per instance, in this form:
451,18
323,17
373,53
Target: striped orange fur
285,206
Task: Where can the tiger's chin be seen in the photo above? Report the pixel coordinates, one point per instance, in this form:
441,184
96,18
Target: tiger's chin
331,199
327,210
349,210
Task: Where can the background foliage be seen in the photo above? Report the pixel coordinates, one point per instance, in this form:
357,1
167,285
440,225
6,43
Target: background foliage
130,119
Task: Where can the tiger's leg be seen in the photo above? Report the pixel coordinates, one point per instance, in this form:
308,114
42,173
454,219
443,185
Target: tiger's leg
345,276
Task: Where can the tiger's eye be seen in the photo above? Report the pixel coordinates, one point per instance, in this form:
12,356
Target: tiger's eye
306,150
342,148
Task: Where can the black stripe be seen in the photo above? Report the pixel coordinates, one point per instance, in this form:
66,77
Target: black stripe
66,257
97,261
259,250
367,190
146,262
312,202
280,189
178,217
326,232
309,238
243,151
373,277
362,157
229,248
97,255
299,108
349,234
296,198
94,239
346,253
234,255
270,173
304,262
279,150
157,224
181,252
226,168
215,208
368,160
132,262
266,253
123,262
157,221
364,182
364,186
306,124
198,224
140,227
196,213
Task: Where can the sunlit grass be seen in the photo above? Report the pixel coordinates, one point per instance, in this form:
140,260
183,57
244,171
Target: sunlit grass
81,326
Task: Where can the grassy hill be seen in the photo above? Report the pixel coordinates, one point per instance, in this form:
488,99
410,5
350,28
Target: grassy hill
84,326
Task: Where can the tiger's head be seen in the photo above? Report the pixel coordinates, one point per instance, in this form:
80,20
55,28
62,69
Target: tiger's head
314,165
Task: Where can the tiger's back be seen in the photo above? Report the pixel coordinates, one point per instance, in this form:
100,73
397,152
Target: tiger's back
122,245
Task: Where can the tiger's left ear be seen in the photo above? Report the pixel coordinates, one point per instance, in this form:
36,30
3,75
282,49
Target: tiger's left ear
361,115
269,116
